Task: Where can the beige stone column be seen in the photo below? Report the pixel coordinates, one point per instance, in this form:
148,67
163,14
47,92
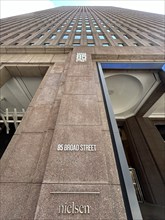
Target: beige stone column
60,163
81,181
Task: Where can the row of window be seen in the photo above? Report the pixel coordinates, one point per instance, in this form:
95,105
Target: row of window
92,44
77,44
89,37
88,30
95,25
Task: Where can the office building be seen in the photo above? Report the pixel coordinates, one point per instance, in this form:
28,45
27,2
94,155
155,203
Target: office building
82,123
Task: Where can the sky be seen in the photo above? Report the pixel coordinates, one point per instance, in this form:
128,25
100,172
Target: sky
10,8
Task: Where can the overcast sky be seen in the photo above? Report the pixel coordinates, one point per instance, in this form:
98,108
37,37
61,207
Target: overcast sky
15,7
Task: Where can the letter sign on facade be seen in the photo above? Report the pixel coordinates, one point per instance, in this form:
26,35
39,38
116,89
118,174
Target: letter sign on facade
81,57
74,209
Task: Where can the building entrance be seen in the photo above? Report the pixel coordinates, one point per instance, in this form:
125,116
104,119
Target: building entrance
134,96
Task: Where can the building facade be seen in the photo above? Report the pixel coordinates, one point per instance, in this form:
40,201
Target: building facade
82,115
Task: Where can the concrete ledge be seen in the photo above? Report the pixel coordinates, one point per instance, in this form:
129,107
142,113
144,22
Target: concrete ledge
98,53
130,57
34,49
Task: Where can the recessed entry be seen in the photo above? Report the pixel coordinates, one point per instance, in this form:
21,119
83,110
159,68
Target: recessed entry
17,87
129,89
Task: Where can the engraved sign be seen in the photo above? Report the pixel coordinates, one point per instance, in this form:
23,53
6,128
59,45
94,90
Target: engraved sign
73,208
76,147
81,57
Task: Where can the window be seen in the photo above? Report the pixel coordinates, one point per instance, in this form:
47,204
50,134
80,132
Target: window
53,36
101,37
108,30
79,26
89,37
68,30
161,129
98,31
76,45
120,45
31,44
48,30
78,31
91,45
150,35
113,37
125,36
87,26
61,44
136,44
139,36
27,36
77,37
58,30
65,37
46,44
88,30
41,36
129,29
105,45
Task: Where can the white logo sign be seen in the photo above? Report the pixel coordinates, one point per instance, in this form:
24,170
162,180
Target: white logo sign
74,209
76,147
81,57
